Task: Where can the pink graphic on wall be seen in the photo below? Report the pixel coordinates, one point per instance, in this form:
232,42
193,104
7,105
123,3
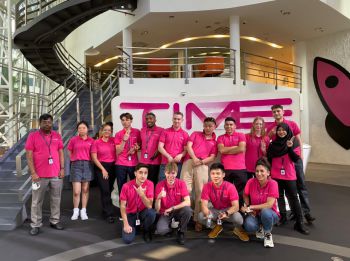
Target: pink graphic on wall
239,110
332,83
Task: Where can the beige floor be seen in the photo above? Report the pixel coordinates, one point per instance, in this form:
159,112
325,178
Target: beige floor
328,174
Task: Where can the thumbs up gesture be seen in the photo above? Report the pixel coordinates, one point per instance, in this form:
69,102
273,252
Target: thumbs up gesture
162,194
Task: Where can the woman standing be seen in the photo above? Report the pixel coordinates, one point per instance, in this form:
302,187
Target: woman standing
103,155
260,194
81,174
283,152
256,144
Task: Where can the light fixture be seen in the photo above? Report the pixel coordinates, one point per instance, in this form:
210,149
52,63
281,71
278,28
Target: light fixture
271,57
91,52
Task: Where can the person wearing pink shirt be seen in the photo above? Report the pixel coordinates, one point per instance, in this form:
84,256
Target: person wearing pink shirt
172,202
127,143
232,146
282,153
44,151
225,208
136,199
256,144
260,194
81,173
201,151
103,155
149,147
278,114
172,145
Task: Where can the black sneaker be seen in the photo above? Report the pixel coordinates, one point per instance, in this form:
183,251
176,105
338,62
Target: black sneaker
34,231
57,226
147,236
301,229
283,220
180,238
309,218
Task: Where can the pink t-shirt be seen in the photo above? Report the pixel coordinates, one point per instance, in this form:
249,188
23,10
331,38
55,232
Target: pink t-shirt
79,148
174,194
258,195
232,161
283,163
105,150
292,125
150,139
253,150
38,142
134,138
174,142
201,146
221,197
134,203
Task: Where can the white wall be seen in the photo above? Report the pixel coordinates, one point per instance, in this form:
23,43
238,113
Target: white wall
335,47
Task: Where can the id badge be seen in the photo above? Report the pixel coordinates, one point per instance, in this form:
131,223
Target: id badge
138,222
50,161
283,172
129,158
219,222
145,155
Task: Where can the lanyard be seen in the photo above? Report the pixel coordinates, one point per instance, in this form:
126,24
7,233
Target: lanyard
221,194
148,137
47,144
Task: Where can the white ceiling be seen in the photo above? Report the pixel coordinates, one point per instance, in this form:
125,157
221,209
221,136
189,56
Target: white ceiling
268,21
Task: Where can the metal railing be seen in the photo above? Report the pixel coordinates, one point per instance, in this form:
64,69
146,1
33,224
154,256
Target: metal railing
184,63
27,10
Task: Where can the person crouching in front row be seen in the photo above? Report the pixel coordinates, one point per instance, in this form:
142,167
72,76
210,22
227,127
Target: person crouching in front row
172,202
136,199
224,198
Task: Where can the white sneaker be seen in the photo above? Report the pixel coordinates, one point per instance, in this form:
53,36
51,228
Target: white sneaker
83,214
260,233
268,242
75,214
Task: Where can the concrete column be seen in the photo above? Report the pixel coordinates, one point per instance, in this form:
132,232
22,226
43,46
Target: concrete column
235,44
127,55
300,59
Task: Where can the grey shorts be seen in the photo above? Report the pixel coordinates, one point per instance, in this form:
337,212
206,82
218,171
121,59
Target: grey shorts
81,171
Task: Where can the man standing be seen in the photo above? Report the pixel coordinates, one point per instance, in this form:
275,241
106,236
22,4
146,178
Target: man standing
172,202
201,151
44,151
278,114
149,149
172,145
127,144
224,198
232,147
136,199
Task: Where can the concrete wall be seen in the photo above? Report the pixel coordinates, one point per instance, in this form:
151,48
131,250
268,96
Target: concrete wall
335,47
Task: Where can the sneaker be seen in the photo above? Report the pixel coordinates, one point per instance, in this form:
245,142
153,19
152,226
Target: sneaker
268,242
147,236
34,231
75,214
260,233
215,231
198,227
180,238
301,229
83,214
241,234
309,218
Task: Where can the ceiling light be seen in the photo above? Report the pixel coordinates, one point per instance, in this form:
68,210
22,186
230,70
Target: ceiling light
271,57
202,54
144,33
214,52
91,52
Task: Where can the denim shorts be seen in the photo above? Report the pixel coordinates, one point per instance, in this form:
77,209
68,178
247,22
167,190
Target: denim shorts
81,171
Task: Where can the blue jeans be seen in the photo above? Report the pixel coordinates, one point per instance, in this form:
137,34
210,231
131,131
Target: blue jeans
162,171
147,218
122,173
267,217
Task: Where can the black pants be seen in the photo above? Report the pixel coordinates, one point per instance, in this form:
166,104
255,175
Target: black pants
182,215
301,187
290,187
122,173
153,172
250,175
106,187
239,179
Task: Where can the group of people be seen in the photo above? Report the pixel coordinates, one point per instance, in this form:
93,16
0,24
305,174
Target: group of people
169,171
